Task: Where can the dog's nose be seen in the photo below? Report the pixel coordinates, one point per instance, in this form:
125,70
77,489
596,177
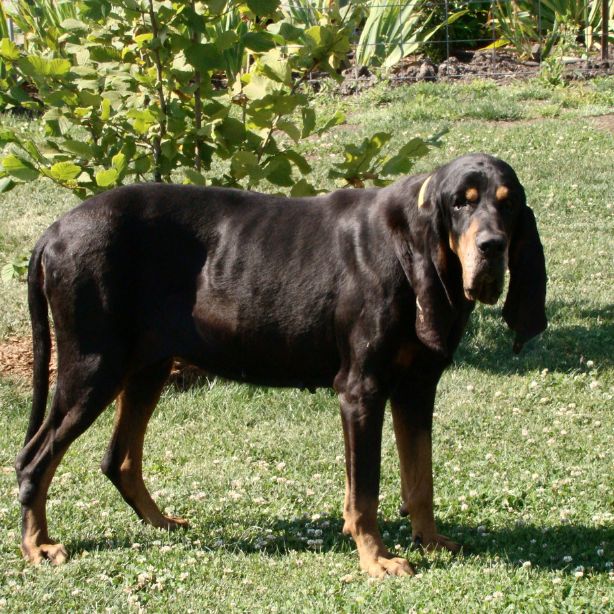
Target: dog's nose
491,244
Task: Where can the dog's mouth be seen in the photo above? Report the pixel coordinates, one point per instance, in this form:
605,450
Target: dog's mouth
487,284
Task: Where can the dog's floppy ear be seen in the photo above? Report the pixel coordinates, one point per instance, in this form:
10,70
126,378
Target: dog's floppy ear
524,309
419,253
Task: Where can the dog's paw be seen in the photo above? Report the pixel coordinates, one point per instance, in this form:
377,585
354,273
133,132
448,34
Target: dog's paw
56,554
172,523
437,542
393,566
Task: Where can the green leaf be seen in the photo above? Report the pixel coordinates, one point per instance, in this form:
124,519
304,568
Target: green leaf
290,128
226,40
19,94
141,39
360,161
35,66
9,50
119,163
279,102
8,273
87,98
143,119
309,121
64,171
299,161
74,25
52,128
105,109
19,168
194,177
230,131
303,188
259,86
403,161
80,148
278,171
275,67
258,41
32,149
286,31
245,163
106,177
7,136
6,184
415,148
397,165
216,6
142,164
204,57
337,119
263,7
318,37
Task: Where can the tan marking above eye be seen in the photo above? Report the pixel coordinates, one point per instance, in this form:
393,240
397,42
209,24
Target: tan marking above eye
472,194
502,192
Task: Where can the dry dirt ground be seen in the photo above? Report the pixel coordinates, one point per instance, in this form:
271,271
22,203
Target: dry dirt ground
605,122
499,65
16,359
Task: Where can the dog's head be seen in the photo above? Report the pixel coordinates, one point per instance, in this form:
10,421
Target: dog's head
472,213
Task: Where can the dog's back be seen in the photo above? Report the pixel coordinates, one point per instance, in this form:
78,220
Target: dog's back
243,284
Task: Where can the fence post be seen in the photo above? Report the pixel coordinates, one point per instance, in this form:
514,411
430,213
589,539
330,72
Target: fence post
447,15
605,14
539,31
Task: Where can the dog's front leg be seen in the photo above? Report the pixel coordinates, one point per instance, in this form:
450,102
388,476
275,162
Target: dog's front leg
362,413
412,412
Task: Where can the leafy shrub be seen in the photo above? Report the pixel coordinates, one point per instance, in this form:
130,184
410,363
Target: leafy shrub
141,87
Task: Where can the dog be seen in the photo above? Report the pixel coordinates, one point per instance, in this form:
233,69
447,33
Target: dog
367,291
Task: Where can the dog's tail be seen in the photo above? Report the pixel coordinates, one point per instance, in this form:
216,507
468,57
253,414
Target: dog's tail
41,339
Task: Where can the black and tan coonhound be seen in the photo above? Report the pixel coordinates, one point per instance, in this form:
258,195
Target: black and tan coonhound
367,291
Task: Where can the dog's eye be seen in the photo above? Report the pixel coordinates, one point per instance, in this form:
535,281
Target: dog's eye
460,202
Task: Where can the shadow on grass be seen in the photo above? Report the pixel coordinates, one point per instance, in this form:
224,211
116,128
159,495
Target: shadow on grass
546,547
563,347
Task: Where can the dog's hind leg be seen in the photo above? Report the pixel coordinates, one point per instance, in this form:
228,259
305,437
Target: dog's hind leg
122,463
81,395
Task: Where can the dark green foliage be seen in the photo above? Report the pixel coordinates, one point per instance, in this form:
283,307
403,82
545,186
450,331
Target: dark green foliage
210,91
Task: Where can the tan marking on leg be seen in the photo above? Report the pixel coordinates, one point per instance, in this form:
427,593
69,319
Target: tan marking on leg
414,446
346,502
131,421
36,545
361,524
472,195
502,192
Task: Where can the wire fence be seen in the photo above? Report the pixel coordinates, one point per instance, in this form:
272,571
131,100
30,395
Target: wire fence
493,39
429,40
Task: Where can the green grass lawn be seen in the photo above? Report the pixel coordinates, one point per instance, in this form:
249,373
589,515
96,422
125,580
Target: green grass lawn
523,452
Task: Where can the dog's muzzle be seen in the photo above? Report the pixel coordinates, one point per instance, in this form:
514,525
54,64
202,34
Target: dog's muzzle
486,283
